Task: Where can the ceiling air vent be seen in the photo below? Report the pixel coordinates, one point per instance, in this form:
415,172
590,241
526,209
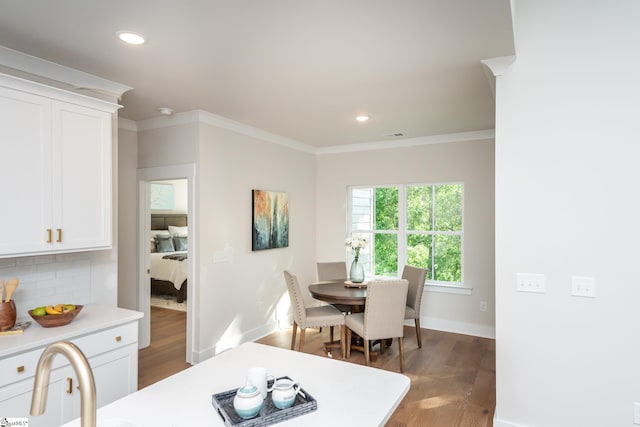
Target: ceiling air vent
395,135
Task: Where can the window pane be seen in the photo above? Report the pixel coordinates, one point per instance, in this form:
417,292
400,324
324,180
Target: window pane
448,208
447,258
419,206
361,204
419,251
386,208
385,254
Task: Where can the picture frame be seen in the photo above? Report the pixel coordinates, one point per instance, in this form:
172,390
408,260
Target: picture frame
270,219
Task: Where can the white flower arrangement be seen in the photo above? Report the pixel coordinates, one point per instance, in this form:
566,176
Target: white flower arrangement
355,244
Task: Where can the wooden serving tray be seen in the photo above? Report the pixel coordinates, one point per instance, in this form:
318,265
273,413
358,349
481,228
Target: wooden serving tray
350,284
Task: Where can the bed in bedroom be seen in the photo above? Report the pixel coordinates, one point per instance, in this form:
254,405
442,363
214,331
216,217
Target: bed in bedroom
168,258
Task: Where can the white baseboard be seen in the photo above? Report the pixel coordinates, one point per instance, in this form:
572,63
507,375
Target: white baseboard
501,423
464,328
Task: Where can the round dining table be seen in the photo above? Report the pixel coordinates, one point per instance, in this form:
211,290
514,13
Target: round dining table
336,292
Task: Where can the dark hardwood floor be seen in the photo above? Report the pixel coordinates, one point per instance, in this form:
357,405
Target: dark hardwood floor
452,376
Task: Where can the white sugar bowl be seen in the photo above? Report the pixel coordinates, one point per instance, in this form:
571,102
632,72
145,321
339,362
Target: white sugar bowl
247,401
284,393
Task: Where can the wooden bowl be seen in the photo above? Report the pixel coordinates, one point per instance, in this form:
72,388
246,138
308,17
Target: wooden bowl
54,320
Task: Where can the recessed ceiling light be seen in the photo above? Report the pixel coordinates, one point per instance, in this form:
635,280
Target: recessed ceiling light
130,37
362,118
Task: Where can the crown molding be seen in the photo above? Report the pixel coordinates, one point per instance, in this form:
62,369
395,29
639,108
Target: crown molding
201,116
77,79
126,124
410,142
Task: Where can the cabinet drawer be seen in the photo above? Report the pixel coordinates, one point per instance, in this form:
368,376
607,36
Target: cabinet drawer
110,339
23,366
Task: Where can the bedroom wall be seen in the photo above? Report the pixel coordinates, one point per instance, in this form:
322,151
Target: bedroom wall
566,205
180,196
469,162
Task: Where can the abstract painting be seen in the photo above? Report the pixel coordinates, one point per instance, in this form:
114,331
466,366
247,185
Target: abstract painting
270,220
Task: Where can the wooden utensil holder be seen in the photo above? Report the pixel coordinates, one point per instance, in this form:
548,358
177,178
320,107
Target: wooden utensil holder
7,315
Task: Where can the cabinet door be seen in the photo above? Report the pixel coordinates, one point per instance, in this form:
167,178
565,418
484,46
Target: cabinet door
82,170
25,172
15,400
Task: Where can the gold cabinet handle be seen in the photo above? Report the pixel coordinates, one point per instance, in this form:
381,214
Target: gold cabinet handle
59,235
118,338
69,385
20,368
49,237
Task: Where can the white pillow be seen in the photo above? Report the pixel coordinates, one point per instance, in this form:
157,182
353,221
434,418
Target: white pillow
180,231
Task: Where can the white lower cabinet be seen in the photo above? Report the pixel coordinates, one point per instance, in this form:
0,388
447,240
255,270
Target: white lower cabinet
113,357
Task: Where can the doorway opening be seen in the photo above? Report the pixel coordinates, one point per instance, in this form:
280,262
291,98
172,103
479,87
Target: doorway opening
166,210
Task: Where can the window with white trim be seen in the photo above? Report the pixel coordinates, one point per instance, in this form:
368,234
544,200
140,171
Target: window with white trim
415,224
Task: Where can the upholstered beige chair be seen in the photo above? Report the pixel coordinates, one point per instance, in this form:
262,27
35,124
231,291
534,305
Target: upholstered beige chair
383,316
333,272
329,271
312,317
416,277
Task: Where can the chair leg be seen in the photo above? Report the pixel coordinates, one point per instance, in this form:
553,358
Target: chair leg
348,341
343,341
293,335
330,333
301,345
401,351
366,352
418,332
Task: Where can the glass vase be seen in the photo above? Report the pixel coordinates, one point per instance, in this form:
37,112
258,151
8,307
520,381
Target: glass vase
356,272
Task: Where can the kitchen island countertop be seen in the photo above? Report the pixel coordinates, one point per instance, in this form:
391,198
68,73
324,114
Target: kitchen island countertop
347,393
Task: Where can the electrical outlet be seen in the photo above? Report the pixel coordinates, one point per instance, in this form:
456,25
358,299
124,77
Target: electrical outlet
583,286
529,282
636,412
483,306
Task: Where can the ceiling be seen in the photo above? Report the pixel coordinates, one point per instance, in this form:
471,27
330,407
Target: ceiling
299,69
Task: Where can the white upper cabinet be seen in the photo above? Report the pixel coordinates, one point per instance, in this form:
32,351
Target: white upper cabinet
56,151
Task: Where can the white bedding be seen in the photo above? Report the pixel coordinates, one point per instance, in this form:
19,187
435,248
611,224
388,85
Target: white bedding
169,270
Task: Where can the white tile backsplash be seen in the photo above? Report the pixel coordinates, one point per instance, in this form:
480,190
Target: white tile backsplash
49,279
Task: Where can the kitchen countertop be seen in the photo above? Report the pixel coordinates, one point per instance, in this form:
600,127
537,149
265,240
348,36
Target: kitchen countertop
92,318
347,393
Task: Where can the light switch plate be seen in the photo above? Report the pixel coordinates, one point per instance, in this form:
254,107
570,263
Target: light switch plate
530,282
583,286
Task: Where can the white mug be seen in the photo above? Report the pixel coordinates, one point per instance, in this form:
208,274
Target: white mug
258,376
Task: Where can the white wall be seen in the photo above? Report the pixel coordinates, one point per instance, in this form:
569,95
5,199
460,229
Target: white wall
567,179
242,294
127,219
469,162
246,297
